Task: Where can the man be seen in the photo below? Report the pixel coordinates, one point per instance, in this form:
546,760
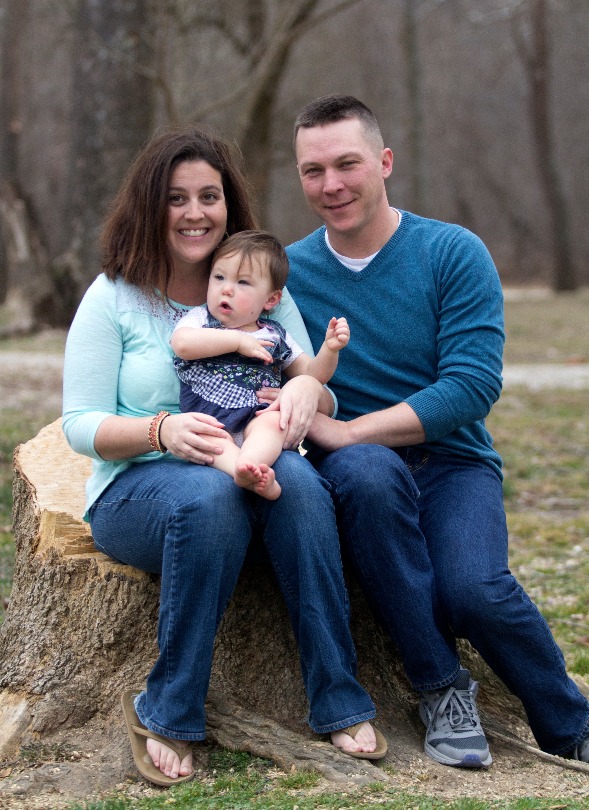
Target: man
415,478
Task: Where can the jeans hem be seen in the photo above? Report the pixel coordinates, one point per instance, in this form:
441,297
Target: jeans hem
195,736
438,685
340,724
582,736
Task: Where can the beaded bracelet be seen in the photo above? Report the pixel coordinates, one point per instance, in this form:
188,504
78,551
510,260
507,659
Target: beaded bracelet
153,434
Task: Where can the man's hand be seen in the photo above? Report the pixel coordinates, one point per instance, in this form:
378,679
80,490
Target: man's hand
337,335
297,402
330,434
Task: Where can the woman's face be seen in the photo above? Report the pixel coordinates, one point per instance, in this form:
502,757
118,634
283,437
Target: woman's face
197,214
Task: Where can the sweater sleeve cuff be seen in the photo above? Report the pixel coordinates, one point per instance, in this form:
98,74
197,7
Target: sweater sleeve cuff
80,431
436,422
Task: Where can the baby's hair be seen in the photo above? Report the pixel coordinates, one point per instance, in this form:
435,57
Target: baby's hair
249,243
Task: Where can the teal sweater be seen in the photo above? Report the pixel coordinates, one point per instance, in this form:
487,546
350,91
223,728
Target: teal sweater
426,321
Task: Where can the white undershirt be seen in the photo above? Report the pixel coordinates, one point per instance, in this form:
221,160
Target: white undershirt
355,264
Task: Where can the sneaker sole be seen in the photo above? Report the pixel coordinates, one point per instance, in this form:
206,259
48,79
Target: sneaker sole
467,761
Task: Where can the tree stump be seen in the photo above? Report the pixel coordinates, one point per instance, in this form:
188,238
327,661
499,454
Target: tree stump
80,628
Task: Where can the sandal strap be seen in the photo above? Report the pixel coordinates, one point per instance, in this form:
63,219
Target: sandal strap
353,730
180,747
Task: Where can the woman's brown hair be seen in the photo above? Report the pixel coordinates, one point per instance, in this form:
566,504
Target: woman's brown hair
134,237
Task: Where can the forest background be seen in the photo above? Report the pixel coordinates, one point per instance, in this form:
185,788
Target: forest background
484,103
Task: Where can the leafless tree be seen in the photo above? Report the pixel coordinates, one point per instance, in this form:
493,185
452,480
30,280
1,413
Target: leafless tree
476,113
254,43
531,31
531,25
112,104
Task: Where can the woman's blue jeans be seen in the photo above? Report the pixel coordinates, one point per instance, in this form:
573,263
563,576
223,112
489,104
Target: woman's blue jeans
192,525
427,536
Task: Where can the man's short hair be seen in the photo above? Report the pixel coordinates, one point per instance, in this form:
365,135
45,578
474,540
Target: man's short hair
333,108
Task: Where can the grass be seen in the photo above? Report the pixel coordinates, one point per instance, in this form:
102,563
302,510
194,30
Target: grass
544,440
548,328
543,437
257,795
239,781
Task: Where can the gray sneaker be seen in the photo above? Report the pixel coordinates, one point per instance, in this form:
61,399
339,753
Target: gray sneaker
454,735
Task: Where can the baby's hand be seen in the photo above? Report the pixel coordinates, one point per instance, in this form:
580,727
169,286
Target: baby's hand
251,347
338,334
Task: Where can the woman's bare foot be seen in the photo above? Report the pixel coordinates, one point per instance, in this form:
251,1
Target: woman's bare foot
259,479
167,760
365,740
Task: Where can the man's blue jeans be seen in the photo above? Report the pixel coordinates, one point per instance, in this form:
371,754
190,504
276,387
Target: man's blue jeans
192,525
427,536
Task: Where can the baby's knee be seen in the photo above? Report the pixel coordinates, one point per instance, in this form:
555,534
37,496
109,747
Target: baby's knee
266,420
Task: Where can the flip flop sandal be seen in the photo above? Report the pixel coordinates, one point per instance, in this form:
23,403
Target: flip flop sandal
138,736
381,743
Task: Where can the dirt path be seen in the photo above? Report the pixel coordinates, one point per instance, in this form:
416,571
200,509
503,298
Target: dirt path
29,379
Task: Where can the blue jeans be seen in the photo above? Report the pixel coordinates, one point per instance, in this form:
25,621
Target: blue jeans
410,518
192,525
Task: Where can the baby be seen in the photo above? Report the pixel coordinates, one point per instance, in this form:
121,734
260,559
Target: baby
225,352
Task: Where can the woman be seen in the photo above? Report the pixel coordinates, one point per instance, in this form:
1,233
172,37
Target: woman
154,502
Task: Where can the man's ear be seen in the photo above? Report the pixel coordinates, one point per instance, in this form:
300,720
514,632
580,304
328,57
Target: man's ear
273,300
386,162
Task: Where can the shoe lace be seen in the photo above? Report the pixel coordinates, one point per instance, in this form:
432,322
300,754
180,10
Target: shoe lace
457,707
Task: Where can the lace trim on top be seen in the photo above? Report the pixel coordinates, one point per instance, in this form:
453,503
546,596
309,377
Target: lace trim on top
130,298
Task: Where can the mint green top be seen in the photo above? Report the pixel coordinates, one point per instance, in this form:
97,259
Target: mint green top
118,361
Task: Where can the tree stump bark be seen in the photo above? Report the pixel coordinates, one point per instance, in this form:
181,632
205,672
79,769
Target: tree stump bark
80,628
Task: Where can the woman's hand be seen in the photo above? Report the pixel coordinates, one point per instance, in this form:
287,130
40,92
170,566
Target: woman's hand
192,436
297,402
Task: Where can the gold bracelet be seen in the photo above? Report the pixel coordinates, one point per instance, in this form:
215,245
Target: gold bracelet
153,434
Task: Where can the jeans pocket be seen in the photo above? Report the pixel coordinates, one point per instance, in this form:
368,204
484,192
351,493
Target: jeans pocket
416,459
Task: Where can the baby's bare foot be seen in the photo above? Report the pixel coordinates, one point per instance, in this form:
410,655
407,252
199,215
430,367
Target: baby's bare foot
257,478
168,760
268,487
365,740
247,475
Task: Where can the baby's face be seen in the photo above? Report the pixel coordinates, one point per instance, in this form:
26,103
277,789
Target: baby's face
240,290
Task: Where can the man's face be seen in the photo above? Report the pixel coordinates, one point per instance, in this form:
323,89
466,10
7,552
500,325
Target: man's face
342,173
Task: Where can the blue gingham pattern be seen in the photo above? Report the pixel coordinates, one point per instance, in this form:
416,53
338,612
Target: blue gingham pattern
231,380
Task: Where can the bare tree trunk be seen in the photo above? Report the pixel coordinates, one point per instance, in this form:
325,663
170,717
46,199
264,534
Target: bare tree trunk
15,230
254,121
28,289
415,122
537,62
113,114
